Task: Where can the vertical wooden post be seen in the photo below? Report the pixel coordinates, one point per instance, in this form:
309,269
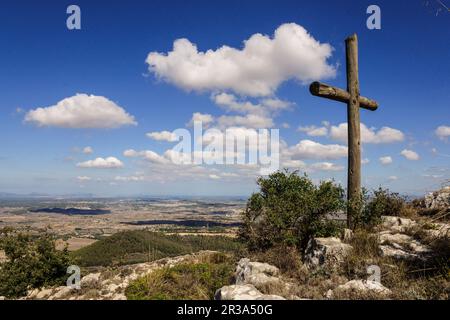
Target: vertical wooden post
354,139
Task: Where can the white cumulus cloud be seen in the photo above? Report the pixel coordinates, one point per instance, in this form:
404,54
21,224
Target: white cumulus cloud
163,136
84,178
442,132
314,131
410,155
102,163
385,160
308,149
326,166
368,135
255,70
254,121
204,118
81,111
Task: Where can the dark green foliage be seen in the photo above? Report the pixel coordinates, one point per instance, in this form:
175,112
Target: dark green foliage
289,209
184,282
32,262
140,245
382,202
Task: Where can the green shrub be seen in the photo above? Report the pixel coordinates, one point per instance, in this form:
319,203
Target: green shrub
382,202
32,262
197,281
289,209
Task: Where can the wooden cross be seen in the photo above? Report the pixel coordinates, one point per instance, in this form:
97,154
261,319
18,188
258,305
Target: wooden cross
354,102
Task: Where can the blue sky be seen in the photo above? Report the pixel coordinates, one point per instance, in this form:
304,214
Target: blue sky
404,66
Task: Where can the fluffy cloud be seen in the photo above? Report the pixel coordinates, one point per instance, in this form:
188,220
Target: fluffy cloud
365,161
145,154
318,166
249,121
368,135
392,178
307,149
163,136
326,166
266,106
442,132
297,164
385,160
81,111
129,178
83,178
102,163
256,70
314,131
410,155
88,150
204,118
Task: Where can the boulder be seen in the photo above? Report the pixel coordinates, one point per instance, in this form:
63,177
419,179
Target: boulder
402,246
243,292
439,230
438,199
359,287
90,280
326,252
256,273
44,294
61,292
396,224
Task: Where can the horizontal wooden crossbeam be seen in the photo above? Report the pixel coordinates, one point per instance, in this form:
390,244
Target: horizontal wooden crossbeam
333,93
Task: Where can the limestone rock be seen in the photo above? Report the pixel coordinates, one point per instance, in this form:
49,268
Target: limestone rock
439,230
402,246
61,292
90,280
256,273
243,292
328,252
44,294
439,199
397,224
359,287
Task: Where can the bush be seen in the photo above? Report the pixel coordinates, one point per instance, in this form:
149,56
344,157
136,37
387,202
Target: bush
288,210
197,281
381,203
32,262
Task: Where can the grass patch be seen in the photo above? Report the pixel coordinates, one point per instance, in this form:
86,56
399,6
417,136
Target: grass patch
197,281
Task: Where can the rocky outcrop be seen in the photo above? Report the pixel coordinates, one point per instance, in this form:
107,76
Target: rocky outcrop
396,224
243,292
438,230
402,246
111,284
256,273
359,288
326,252
438,199
396,242
251,278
